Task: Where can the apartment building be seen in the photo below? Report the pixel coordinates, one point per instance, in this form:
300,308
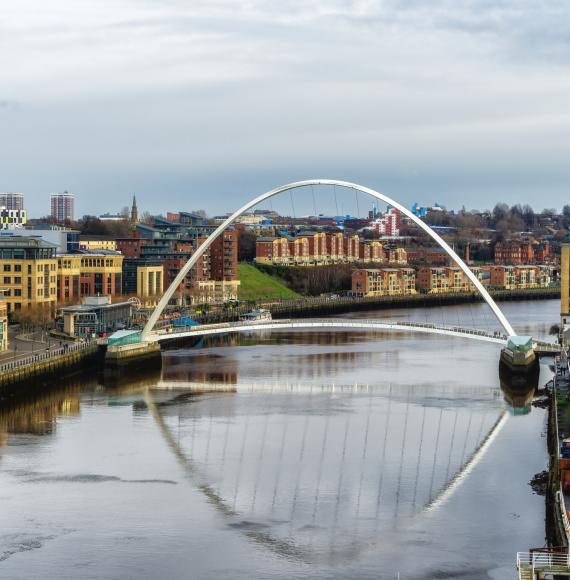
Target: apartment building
367,282
523,276
12,218
517,253
62,207
130,247
12,200
320,248
28,274
433,280
389,223
171,244
426,256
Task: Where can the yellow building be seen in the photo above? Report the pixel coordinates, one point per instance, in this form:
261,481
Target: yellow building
28,270
89,274
527,276
149,284
457,280
3,326
215,291
383,282
95,243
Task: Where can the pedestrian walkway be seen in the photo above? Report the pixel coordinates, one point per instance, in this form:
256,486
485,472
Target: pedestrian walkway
43,355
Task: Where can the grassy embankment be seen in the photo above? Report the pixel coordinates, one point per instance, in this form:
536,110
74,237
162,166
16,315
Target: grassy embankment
255,285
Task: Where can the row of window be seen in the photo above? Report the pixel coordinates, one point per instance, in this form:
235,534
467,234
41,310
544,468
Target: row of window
18,280
40,268
17,267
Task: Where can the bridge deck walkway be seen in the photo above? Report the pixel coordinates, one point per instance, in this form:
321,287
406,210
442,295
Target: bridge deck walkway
170,333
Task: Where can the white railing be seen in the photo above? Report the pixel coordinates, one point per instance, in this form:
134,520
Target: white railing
355,323
543,560
346,322
46,355
563,513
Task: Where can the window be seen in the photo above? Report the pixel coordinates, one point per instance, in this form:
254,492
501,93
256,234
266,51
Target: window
29,268
7,267
7,280
17,292
17,267
17,280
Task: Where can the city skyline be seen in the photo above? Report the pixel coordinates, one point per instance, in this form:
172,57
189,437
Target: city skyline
441,101
345,204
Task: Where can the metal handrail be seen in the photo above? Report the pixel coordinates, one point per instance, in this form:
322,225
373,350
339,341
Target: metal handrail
543,560
46,355
238,324
327,321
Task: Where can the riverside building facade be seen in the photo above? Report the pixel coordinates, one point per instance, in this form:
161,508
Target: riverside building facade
28,274
320,248
368,282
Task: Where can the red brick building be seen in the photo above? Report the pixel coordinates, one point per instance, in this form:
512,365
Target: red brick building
130,247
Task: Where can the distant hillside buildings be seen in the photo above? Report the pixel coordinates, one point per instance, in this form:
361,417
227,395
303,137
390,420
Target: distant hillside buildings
316,248
516,253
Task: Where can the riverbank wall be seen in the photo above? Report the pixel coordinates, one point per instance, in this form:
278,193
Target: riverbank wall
43,370
324,306
557,525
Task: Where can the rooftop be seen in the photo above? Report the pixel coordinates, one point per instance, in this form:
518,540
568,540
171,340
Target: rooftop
25,242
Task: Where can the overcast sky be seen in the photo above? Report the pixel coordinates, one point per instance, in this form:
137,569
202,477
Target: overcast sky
195,104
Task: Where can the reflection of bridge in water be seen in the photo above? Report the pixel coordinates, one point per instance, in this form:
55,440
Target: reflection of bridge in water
321,472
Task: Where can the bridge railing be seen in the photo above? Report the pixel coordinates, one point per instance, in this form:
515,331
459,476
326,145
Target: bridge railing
325,322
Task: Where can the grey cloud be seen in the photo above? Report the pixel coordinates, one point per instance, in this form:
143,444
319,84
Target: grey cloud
227,98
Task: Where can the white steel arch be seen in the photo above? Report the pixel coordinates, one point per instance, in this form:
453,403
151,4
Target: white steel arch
218,231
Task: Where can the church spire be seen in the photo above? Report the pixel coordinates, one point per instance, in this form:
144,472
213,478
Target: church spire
134,211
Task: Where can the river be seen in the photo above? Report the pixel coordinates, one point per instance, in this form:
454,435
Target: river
283,455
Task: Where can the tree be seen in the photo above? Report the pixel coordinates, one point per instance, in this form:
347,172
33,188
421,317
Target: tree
566,211
500,211
529,217
146,218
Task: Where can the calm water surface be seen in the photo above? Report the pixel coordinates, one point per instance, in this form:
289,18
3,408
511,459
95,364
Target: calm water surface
318,455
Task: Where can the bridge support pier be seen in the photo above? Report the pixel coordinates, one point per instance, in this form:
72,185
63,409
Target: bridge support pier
519,356
132,357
